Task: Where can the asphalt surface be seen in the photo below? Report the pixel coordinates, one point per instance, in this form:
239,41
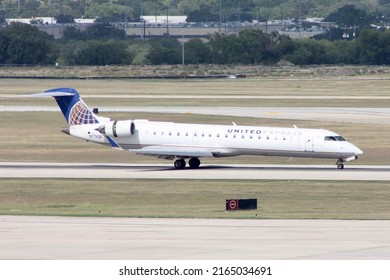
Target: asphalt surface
344,115
167,171
79,238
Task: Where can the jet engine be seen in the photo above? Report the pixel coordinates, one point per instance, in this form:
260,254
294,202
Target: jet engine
117,128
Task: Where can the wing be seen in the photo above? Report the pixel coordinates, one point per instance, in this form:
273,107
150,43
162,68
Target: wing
173,152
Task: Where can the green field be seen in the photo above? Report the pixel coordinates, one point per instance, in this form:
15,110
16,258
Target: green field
195,198
36,136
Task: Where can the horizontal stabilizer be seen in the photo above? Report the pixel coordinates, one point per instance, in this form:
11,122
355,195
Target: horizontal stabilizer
52,94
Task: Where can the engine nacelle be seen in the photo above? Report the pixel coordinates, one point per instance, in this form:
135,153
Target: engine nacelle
118,129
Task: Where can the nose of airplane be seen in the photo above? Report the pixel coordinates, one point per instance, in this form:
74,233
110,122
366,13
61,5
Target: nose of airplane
357,151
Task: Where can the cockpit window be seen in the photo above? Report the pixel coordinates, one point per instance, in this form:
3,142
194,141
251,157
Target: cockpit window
334,138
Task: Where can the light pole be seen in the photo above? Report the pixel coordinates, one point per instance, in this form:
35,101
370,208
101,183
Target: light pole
142,21
5,13
182,47
220,16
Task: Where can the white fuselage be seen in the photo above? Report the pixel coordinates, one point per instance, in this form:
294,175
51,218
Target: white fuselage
166,140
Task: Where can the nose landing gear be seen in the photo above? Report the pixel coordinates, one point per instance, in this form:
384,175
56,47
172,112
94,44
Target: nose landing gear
340,164
340,161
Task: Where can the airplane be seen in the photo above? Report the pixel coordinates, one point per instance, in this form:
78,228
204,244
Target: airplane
181,141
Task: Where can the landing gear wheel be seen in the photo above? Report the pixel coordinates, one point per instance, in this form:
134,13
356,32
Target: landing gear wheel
194,162
340,166
180,164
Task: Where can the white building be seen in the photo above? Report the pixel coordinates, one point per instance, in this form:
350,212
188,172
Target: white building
174,20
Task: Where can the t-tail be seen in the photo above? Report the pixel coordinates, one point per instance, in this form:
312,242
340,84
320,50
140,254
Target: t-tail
83,123
75,111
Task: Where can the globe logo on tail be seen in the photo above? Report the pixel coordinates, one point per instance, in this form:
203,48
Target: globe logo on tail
80,114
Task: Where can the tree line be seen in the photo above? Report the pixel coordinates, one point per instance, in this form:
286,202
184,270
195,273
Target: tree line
25,44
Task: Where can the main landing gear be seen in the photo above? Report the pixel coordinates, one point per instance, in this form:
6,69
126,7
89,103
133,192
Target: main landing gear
181,163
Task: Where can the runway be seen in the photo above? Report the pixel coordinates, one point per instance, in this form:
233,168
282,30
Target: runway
79,238
349,115
211,172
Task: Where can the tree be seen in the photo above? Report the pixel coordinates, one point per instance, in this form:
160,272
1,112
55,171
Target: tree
257,47
341,51
248,47
103,53
204,15
25,44
107,10
4,42
373,47
221,45
164,51
70,50
350,16
72,33
306,52
196,52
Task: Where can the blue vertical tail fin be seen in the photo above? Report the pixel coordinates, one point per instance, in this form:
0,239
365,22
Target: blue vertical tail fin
75,111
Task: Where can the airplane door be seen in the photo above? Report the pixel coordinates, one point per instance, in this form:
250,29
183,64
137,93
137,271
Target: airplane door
309,144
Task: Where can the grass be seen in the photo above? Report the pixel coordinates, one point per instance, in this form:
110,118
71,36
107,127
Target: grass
133,71
195,198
